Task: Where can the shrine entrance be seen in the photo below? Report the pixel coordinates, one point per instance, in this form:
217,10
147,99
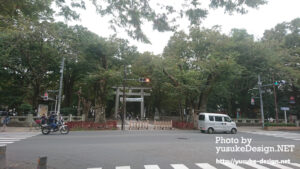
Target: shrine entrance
132,94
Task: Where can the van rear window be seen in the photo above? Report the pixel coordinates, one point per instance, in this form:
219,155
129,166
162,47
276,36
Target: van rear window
201,117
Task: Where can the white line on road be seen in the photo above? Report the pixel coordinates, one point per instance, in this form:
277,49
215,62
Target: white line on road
9,140
279,166
205,166
2,142
152,167
295,164
123,167
254,165
231,165
179,166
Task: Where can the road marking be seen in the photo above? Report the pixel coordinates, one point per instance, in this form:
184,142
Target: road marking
285,135
152,167
254,165
6,142
205,166
279,166
231,165
123,167
179,166
295,164
8,138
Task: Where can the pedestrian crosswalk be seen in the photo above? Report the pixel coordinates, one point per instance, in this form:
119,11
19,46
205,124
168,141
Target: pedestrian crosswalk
11,137
280,134
221,165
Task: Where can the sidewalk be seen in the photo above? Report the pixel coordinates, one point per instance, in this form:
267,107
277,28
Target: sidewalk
18,129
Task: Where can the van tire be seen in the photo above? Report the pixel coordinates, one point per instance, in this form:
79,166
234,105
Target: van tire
210,130
233,131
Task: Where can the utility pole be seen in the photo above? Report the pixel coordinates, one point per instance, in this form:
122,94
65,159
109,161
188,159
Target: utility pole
275,100
60,86
124,99
261,102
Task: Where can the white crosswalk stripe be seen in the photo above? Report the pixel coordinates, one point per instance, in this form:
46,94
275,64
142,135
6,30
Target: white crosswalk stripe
123,167
279,166
8,138
152,167
205,166
255,165
179,166
231,165
278,134
228,165
295,164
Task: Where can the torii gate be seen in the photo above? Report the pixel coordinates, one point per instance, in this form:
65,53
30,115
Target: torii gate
132,91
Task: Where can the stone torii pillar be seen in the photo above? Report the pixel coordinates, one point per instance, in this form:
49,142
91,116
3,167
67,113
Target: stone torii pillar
142,104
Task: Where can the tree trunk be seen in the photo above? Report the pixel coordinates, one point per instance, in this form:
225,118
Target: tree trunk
205,94
86,106
100,114
68,89
36,93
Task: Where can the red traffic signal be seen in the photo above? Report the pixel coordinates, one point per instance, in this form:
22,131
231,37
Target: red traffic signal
292,100
252,101
45,96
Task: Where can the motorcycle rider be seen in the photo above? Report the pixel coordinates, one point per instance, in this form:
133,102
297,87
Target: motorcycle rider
53,121
43,119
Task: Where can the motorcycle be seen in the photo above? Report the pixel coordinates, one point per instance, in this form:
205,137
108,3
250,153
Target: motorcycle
60,126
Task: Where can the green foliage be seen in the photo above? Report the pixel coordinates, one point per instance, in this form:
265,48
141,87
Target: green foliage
25,108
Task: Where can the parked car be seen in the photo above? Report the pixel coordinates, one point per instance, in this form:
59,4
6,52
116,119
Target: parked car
213,122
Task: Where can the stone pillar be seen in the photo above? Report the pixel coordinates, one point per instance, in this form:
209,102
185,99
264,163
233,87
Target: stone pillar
2,157
83,117
29,120
142,104
70,117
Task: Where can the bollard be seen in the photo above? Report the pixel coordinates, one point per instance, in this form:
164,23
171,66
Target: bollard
42,163
2,157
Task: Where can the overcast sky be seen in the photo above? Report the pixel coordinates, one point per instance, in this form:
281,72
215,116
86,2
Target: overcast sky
256,21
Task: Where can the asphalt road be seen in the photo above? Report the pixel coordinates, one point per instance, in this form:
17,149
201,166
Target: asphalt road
109,149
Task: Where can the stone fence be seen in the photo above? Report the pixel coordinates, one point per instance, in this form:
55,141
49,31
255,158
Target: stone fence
26,121
253,122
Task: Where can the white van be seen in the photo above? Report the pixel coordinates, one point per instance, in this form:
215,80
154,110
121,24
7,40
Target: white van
213,122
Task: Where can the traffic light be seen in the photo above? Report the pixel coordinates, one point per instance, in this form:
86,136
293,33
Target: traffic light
292,100
252,101
279,82
144,80
45,96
